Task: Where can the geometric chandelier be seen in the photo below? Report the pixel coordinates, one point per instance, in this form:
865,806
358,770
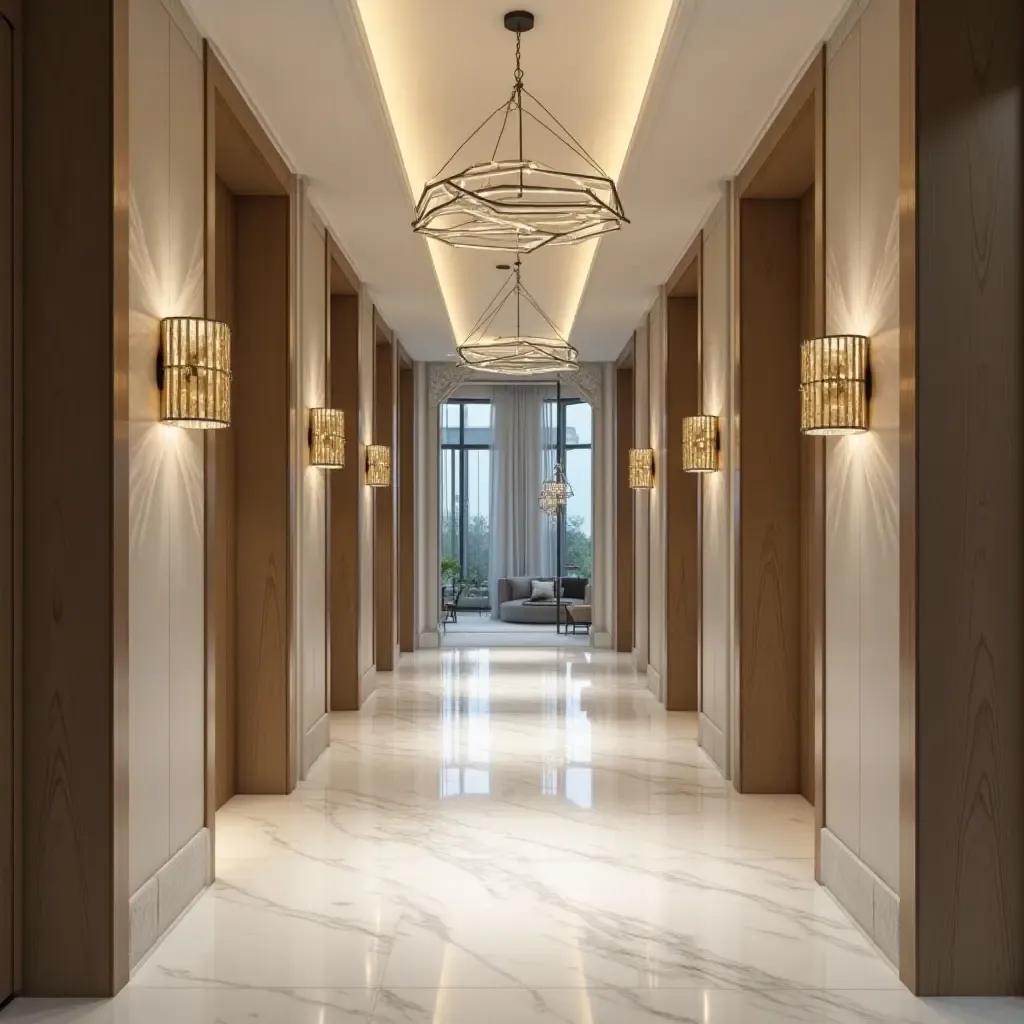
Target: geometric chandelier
516,354
517,204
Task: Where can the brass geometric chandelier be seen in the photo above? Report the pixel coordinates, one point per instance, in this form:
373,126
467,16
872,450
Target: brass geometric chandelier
514,203
516,354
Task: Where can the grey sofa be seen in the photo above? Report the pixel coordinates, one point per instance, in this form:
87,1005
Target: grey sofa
514,606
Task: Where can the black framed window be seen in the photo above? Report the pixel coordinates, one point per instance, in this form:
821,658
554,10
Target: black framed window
465,484
574,438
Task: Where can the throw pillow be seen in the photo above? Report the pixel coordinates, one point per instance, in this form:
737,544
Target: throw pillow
542,590
574,588
520,587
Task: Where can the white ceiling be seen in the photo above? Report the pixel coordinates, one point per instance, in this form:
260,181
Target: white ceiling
368,98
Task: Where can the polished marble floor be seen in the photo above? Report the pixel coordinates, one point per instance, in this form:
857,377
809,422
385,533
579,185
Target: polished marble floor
508,837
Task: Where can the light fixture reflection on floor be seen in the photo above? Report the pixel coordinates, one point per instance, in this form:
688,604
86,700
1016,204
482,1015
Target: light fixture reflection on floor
327,438
700,444
193,372
516,203
378,465
519,354
641,468
835,385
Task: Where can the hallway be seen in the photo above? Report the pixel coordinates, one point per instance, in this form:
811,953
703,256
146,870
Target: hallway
512,836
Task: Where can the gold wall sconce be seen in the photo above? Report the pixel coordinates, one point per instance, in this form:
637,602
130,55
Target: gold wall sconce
327,438
700,444
193,372
641,468
835,385
378,465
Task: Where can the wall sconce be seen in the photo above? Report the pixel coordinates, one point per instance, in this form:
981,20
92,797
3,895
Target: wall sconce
327,438
700,444
641,468
835,385
193,372
378,465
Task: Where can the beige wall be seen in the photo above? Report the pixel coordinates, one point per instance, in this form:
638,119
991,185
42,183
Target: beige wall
657,364
364,436
860,851
312,512
168,845
641,517
716,362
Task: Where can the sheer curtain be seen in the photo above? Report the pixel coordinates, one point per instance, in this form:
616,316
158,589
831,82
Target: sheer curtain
518,462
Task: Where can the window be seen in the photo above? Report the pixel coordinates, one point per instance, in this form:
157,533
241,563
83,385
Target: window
465,481
575,437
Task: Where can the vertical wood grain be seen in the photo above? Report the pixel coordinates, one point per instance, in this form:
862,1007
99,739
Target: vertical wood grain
76,498
384,512
970,500
345,494
221,546
623,511
680,489
260,422
10,544
769,521
406,511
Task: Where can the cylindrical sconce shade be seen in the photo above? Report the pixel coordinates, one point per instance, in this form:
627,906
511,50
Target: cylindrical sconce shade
378,465
700,444
641,468
194,372
327,438
834,385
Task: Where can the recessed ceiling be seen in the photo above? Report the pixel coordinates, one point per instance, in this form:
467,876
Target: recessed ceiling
368,98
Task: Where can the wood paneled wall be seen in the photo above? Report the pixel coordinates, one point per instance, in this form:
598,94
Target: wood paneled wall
769,521
962,928
682,398
384,393
344,606
76,525
10,509
221,542
260,418
406,510
623,511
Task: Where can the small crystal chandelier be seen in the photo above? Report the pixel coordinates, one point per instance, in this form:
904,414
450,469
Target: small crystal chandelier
519,354
556,492
520,204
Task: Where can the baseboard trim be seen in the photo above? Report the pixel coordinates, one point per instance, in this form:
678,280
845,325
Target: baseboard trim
368,683
430,639
862,894
654,681
315,742
711,740
601,639
159,902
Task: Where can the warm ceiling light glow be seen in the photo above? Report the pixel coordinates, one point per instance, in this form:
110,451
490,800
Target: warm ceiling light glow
834,385
617,82
194,372
700,444
327,438
378,465
641,468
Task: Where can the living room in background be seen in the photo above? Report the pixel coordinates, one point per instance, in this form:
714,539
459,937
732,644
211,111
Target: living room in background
465,486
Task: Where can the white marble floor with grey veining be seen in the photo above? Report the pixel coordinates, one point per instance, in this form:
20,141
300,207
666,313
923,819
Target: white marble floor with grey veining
508,837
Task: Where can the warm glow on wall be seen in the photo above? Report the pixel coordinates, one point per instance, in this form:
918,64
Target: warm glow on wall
194,372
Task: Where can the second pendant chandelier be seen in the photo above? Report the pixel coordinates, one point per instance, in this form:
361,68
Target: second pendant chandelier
514,203
521,353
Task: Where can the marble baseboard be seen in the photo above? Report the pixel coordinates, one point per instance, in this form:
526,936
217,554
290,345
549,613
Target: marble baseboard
862,894
159,902
368,682
712,742
429,639
599,638
315,742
